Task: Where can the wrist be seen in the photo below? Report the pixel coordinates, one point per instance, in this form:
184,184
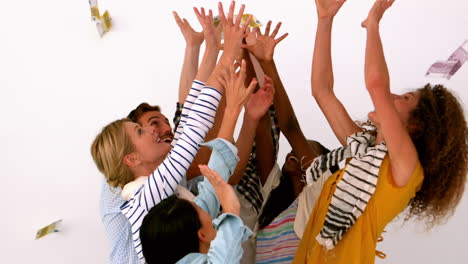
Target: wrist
251,119
192,46
325,20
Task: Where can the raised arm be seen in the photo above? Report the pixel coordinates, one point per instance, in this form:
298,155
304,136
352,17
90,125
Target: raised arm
322,73
255,108
262,46
212,41
403,153
197,119
193,41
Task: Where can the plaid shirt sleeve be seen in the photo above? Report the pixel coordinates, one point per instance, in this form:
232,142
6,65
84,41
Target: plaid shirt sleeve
177,115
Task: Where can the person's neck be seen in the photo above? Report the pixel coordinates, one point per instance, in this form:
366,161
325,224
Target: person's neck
298,185
204,248
145,170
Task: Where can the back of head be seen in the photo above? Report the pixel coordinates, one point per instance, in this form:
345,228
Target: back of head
136,113
109,149
170,231
283,195
439,132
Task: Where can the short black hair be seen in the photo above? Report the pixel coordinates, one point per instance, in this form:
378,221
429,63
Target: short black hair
170,231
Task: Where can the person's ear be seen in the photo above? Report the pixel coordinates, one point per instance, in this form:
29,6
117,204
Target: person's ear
203,237
132,160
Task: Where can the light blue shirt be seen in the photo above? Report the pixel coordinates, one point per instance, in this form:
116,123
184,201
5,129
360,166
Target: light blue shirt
117,227
224,160
226,248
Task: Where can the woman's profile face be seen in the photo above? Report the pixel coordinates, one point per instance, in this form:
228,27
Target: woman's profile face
404,105
147,142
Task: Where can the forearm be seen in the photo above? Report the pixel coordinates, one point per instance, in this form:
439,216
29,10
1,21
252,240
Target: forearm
244,145
322,72
189,71
204,153
226,130
287,120
265,148
208,64
375,68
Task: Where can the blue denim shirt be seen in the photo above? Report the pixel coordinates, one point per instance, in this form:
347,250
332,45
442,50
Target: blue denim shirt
226,248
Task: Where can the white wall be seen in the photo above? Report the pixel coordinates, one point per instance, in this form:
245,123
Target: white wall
60,83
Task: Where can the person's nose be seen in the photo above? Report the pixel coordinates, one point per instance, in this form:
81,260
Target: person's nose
165,128
151,129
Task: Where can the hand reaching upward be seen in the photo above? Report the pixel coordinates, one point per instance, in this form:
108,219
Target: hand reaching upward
191,36
377,11
212,35
259,102
327,9
226,195
262,46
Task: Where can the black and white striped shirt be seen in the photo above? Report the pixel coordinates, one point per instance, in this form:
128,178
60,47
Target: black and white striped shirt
197,119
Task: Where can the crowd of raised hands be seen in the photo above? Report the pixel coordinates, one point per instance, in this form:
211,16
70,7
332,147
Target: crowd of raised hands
242,176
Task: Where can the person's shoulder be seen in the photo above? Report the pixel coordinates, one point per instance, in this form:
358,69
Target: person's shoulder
194,258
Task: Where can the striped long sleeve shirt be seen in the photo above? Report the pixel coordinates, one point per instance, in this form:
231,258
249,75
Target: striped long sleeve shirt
197,119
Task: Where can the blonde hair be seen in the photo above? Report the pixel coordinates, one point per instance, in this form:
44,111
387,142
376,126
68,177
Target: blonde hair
109,149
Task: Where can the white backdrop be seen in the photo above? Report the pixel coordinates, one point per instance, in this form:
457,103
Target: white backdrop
60,83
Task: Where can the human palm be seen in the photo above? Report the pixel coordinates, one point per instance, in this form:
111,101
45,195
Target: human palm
377,11
191,36
259,102
262,46
328,8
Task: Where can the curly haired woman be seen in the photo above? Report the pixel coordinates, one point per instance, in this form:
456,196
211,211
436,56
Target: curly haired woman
417,156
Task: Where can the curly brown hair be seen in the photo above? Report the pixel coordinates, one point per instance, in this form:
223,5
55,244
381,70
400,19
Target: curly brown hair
439,133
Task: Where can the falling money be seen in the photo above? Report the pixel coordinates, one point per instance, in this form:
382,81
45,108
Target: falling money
103,22
446,69
54,227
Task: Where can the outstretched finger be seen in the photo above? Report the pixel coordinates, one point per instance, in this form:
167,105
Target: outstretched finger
267,28
240,14
251,87
257,31
198,14
247,23
231,12
210,174
275,31
281,38
222,16
177,19
243,70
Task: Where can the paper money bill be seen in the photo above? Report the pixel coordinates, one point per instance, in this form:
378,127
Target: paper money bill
443,69
103,22
94,10
446,69
253,23
54,227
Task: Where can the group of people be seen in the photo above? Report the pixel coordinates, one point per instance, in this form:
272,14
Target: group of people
161,203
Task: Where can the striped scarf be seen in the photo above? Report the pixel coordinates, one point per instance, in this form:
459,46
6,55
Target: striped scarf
356,187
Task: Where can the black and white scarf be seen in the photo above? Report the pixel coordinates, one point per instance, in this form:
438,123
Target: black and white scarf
356,187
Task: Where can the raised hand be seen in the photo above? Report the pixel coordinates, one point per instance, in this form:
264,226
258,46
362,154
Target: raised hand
212,35
236,93
226,195
262,46
327,9
191,36
376,12
233,30
259,102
